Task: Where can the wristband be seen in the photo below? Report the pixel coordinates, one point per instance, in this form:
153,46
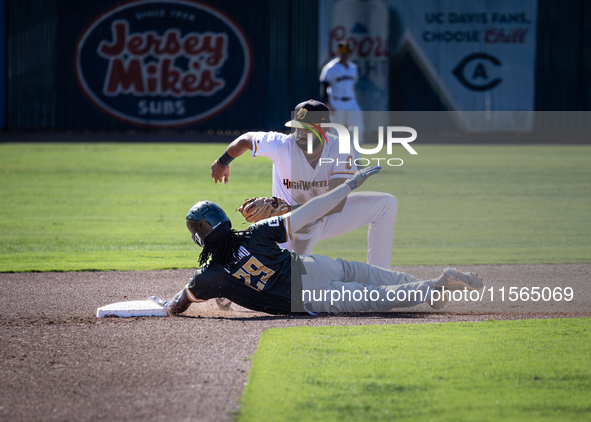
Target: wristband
225,159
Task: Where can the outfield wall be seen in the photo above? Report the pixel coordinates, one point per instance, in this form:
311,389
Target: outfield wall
64,72
2,65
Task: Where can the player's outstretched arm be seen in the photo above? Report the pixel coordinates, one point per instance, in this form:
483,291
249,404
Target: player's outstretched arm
178,304
335,183
220,169
320,205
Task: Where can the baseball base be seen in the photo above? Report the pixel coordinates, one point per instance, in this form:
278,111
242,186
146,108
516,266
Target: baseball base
131,309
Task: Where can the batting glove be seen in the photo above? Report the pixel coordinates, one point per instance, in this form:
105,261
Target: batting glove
361,176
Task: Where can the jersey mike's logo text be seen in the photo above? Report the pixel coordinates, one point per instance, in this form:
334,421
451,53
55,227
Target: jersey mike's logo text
305,184
162,63
129,71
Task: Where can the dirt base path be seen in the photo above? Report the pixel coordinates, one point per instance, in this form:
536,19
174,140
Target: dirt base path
59,362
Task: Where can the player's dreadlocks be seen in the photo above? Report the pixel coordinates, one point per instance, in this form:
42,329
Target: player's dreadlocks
223,251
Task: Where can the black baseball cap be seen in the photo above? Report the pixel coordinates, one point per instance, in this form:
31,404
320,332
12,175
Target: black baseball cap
310,111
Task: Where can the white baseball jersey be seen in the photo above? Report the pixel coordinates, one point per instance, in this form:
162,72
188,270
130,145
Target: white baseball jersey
341,79
294,179
297,182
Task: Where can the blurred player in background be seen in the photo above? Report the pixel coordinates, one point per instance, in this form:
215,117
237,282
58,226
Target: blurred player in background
337,88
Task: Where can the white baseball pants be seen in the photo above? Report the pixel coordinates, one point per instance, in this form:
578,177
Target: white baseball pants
378,210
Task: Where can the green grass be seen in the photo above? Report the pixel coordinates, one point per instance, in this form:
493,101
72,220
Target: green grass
110,206
532,370
122,206
486,204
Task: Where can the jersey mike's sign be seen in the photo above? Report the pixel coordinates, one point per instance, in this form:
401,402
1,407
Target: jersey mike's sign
162,63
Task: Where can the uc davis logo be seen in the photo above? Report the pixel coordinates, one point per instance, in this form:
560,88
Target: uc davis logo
162,63
473,74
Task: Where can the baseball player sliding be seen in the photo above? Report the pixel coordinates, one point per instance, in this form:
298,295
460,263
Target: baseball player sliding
249,268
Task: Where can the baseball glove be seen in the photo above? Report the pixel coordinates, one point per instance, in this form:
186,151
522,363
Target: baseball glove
257,209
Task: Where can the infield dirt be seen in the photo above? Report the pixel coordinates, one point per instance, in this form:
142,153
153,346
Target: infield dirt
59,362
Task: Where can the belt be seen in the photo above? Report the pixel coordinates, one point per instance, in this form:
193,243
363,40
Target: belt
342,98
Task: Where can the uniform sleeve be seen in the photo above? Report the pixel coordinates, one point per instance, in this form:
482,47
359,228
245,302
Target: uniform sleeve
275,229
199,287
268,144
325,74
